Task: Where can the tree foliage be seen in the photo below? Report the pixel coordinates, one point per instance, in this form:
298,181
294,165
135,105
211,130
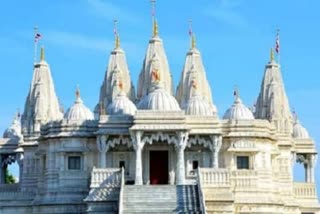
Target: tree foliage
9,178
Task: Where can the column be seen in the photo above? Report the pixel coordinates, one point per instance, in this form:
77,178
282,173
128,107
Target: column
312,161
180,168
138,147
103,148
19,158
215,148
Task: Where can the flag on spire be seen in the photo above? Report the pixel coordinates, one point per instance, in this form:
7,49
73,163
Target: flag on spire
37,35
190,28
115,31
153,10
277,45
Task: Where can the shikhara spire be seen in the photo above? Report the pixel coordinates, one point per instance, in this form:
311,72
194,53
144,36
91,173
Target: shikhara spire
42,104
194,69
272,103
117,67
156,50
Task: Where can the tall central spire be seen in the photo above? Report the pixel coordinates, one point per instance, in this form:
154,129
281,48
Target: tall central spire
155,50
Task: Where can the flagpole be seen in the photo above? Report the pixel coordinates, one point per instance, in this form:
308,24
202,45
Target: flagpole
190,32
35,43
278,39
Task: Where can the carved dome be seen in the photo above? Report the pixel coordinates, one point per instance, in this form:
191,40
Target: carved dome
121,105
299,132
238,111
14,131
158,99
78,111
197,105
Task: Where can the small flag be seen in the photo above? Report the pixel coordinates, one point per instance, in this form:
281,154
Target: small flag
153,10
37,37
190,27
190,31
277,46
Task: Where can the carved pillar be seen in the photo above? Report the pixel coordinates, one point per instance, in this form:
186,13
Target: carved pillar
215,148
19,158
312,161
180,168
138,147
103,148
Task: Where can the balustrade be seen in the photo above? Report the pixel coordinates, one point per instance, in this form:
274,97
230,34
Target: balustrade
304,190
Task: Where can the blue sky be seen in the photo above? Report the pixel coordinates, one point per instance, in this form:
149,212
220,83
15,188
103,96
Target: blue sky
234,37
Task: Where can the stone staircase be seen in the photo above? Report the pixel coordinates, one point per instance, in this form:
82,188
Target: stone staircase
161,199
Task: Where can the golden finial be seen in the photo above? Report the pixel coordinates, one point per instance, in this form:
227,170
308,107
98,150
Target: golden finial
155,31
42,54
155,28
192,36
116,34
117,41
271,55
193,41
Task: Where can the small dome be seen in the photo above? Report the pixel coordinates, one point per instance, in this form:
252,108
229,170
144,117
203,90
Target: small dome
14,131
121,105
299,132
78,111
158,99
238,111
197,105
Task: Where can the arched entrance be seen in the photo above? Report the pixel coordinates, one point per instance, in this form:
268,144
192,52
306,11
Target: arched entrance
159,167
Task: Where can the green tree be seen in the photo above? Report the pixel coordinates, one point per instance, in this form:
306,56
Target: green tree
9,179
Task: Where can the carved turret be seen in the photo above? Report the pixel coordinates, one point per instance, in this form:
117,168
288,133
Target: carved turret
117,66
42,104
155,51
193,68
272,103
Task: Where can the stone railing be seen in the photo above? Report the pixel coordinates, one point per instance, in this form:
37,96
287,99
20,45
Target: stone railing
244,178
214,177
9,188
12,192
225,178
305,190
106,177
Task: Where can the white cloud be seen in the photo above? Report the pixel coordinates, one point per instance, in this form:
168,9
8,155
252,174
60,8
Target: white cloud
111,11
227,11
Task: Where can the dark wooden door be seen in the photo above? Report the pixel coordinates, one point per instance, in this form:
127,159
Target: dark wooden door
159,169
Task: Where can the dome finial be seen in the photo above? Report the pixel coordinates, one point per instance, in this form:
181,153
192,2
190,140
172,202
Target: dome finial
236,93
192,36
193,41
42,56
155,30
116,34
271,55
78,92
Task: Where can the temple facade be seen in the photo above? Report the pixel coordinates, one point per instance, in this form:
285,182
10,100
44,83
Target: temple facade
156,149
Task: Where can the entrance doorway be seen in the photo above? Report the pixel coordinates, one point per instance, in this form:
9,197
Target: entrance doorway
159,168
